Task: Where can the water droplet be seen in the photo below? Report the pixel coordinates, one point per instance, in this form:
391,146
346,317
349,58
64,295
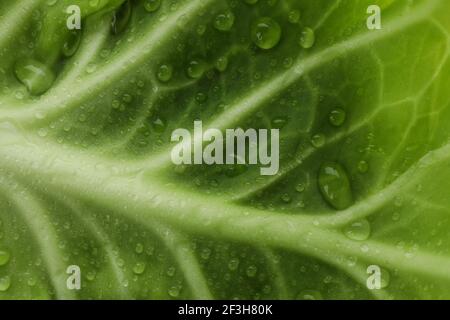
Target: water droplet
152,5
222,64
121,18
171,271
358,230
31,281
309,295
90,68
165,73
308,38
363,166
205,253
294,16
318,140
5,283
286,198
36,76
159,125
4,257
251,271
174,292
94,3
266,33
72,43
224,21
337,117
279,123
90,276
335,185
396,216
139,268
300,188
196,69
139,248
200,97
233,264
42,132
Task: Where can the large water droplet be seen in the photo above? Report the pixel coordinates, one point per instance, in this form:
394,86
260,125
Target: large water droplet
335,185
358,230
121,18
308,38
71,44
165,73
309,295
4,257
5,283
152,5
337,117
266,33
36,76
224,21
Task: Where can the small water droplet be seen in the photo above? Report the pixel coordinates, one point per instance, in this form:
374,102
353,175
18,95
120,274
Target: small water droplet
251,271
300,187
139,248
139,268
36,76
224,21
222,64
42,132
307,38
266,33
309,295
294,16
335,186
165,73
358,230
174,292
363,166
159,125
90,276
279,123
233,264
195,69
318,140
152,5
337,117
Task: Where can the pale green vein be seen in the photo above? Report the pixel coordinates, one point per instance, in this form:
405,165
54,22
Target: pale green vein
34,214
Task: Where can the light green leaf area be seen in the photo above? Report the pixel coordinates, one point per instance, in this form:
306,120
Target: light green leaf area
86,177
